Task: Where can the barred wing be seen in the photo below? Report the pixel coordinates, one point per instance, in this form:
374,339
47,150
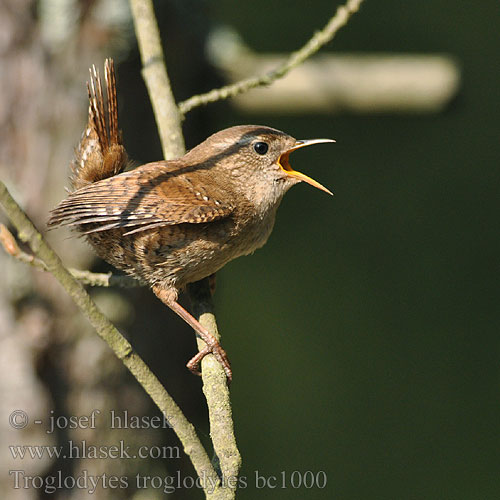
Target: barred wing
153,195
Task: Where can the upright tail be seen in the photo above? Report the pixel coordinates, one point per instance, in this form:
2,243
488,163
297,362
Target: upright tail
100,153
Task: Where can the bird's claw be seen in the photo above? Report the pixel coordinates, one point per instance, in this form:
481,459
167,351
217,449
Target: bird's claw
220,355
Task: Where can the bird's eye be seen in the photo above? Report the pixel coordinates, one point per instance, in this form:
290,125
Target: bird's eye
261,147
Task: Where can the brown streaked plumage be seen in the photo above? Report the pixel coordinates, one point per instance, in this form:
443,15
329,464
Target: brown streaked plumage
170,223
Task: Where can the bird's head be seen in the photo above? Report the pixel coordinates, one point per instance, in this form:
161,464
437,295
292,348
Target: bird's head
255,159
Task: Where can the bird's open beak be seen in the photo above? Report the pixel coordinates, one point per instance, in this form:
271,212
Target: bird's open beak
285,164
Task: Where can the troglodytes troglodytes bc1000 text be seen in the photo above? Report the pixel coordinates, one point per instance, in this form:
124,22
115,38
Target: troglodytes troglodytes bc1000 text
171,223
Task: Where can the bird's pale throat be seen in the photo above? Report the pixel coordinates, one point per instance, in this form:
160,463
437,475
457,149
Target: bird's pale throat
284,163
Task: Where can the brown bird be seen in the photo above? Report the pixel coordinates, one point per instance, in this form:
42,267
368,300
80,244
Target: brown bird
171,223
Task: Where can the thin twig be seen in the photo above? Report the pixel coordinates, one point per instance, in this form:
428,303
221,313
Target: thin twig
105,279
108,332
10,245
317,41
155,75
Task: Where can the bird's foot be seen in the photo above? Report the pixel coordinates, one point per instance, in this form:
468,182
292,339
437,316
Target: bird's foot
220,355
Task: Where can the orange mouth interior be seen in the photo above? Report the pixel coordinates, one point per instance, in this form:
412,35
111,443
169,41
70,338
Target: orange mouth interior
284,163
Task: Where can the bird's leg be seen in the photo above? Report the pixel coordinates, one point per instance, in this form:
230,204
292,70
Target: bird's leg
169,298
212,346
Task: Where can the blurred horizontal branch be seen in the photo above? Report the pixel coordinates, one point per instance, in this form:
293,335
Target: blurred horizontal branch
363,83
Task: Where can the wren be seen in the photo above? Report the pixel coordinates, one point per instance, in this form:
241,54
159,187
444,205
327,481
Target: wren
171,223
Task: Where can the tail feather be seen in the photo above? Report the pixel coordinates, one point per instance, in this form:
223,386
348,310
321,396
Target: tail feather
109,75
100,153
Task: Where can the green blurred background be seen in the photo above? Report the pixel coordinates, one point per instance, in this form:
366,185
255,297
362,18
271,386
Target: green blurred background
364,335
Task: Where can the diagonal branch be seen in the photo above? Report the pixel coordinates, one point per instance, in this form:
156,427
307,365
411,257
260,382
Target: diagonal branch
317,41
120,346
